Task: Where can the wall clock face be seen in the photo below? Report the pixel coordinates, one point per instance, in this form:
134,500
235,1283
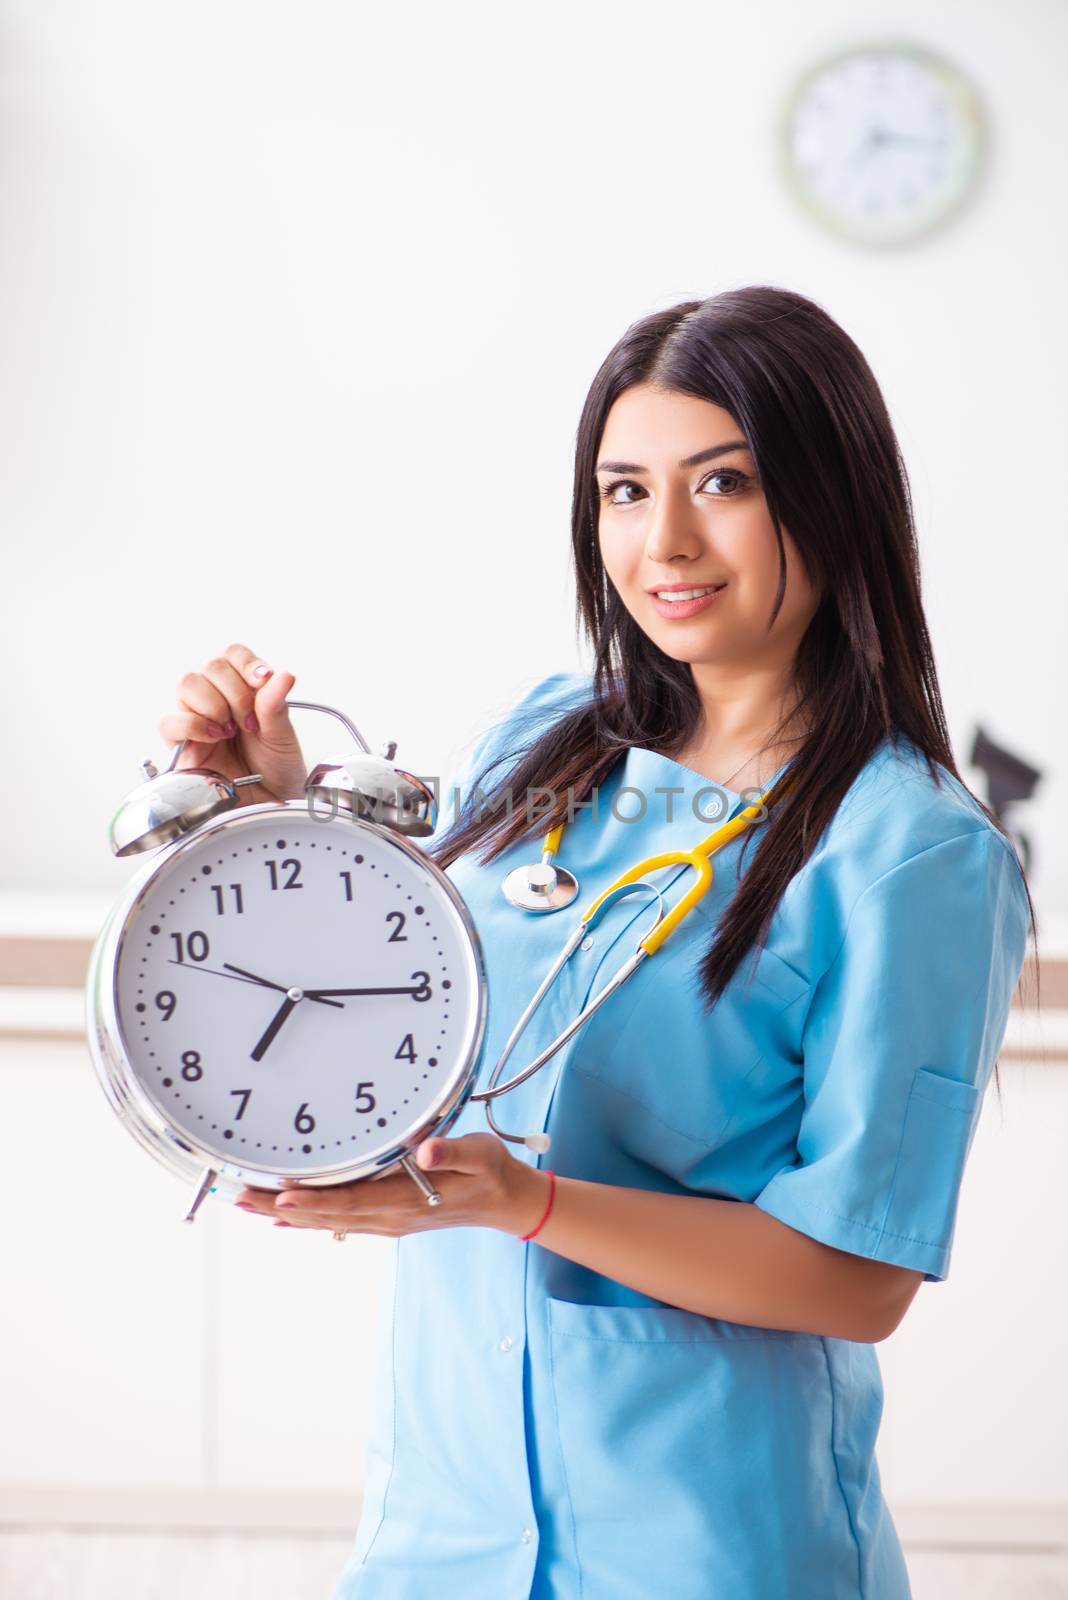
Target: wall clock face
881,142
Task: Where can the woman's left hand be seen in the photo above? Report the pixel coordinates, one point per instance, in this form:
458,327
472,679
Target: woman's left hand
481,1185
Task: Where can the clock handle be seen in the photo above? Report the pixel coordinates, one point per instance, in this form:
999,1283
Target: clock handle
291,705
237,783
421,1181
350,727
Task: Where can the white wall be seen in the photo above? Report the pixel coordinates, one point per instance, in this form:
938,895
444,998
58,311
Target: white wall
300,303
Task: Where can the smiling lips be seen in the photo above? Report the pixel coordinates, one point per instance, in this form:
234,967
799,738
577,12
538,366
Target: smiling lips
675,596
676,601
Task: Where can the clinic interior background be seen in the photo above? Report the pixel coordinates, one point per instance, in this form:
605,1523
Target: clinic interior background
299,308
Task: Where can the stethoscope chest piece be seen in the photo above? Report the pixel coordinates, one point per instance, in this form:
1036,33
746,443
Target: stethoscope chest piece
541,887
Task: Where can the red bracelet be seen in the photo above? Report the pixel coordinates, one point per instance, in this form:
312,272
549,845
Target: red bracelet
523,1237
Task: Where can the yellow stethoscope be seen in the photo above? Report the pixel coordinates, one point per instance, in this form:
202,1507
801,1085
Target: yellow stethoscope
540,884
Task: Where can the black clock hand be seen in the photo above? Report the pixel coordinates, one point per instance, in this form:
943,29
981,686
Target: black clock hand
273,1026
888,136
319,994
241,976
865,149
253,977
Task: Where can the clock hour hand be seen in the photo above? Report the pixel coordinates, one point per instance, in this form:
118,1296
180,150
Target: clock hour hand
260,1050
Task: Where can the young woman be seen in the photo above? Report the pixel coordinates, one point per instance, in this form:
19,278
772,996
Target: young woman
757,1144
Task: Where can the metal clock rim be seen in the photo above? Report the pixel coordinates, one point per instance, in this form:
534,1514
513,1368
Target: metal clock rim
109,1049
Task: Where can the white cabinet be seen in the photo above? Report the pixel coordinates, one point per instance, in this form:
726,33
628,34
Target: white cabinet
105,1330
145,1352
975,1377
295,1317
231,1358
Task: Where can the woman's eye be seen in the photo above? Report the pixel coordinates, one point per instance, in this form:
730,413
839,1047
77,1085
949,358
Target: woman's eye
608,491
735,479
735,482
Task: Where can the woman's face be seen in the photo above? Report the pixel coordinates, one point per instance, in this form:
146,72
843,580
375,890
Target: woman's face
681,508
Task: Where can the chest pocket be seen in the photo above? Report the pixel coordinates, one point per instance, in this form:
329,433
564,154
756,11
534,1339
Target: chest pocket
677,1079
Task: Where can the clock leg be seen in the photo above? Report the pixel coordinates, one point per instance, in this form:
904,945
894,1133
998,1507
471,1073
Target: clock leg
421,1181
200,1193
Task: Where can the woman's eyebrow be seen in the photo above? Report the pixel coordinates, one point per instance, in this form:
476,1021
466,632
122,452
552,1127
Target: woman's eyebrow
690,461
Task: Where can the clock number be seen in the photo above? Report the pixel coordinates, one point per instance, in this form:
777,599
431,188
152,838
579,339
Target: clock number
423,992
396,937
405,1051
291,881
302,1121
166,1002
219,892
348,884
244,1093
192,1071
363,1092
194,945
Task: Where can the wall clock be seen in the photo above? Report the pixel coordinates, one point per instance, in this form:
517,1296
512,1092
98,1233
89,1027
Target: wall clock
882,141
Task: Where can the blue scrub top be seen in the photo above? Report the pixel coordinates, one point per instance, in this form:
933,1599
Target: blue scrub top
538,1430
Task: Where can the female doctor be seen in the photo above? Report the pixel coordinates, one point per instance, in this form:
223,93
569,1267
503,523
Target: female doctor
641,1364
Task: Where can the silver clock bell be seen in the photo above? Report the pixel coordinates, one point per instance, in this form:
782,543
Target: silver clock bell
177,800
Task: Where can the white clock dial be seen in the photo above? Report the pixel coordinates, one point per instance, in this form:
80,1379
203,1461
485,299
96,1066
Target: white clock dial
882,141
295,995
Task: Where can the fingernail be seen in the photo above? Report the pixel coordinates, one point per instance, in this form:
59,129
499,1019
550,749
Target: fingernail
262,670
285,1205
243,1205
251,723
215,732
433,1156
283,1224
230,728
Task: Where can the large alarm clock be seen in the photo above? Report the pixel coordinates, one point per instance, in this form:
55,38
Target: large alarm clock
289,993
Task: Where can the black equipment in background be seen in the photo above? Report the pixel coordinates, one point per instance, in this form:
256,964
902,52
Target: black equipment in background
1008,779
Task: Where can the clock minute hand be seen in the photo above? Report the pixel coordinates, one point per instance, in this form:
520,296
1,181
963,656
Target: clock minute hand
265,983
320,994
239,975
888,136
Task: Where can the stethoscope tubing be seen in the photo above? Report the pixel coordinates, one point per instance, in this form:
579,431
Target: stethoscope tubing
629,882
619,978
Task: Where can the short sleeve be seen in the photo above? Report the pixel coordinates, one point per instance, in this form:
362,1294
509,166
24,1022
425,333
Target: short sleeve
524,720
900,1039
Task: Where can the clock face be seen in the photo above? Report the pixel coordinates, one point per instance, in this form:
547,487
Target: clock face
881,142
295,994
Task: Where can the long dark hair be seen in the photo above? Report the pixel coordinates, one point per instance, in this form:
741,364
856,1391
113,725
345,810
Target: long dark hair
817,426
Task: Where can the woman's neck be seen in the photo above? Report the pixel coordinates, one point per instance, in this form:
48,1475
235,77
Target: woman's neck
748,727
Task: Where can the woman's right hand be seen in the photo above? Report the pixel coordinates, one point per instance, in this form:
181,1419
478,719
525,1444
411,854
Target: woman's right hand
233,713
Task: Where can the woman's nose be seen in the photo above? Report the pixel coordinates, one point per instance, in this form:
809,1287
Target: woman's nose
672,529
